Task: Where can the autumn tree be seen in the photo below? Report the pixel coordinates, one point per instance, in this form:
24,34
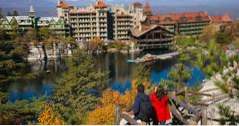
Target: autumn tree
49,117
72,96
208,33
95,44
105,113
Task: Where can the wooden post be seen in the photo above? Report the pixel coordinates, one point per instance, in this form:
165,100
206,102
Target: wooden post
204,115
186,94
117,113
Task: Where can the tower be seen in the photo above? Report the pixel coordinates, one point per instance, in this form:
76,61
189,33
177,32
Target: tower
31,12
147,9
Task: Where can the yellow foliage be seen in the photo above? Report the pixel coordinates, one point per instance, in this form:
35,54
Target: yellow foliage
110,97
48,117
105,113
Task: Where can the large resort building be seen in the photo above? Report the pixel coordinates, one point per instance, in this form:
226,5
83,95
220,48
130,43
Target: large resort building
118,23
99,20
187,23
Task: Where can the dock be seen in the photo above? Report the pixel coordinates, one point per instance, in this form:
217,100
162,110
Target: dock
151,58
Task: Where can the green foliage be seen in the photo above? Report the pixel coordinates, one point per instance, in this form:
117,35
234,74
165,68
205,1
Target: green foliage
15,13
180,73
12,60
228,116
223,38
141,72
1,13
185,41
170,85
20,112
72,97
222,86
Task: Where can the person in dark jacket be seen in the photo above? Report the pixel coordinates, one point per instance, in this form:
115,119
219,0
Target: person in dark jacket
142,108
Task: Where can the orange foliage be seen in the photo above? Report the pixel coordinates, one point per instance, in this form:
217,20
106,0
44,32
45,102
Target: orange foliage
95,43
105,113
48,117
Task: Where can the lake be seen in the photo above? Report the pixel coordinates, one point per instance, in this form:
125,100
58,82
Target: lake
120,75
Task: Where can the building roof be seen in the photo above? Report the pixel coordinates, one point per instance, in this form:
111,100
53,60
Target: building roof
62,4
21,20
81,10
100,4
221,19
137,32
180,17
138,5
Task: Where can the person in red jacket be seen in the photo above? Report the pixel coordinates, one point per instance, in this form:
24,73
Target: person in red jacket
160,103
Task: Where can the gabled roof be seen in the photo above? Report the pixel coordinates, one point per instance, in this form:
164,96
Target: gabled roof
138,5
19,19
9,18
180,17
48,20
221,19
137,32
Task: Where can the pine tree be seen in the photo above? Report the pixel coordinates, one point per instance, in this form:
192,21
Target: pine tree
72,97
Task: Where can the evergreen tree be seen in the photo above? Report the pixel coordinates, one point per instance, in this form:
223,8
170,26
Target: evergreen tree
12,59
15,13
73,97
1,13
9,13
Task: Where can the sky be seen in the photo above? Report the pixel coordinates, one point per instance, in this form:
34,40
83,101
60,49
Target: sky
215,7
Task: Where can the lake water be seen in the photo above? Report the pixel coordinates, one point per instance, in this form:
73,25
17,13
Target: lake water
120,75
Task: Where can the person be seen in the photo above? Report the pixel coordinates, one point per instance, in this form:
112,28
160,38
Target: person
142,108
160,103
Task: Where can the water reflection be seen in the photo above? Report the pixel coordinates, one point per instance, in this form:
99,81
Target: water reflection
120,75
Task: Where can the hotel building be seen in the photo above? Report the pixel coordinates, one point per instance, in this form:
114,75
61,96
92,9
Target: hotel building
100,20
188,23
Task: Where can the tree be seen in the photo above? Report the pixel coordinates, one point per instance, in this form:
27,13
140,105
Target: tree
1,13
31,37
12,60
72,97
71,42
9,13
208,33
228,116
49,117
20,112
15,13
180,74
95,44
223,37
43,36
141,73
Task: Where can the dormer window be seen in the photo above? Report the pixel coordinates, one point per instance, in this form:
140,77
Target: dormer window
183,19
199,18
168,19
